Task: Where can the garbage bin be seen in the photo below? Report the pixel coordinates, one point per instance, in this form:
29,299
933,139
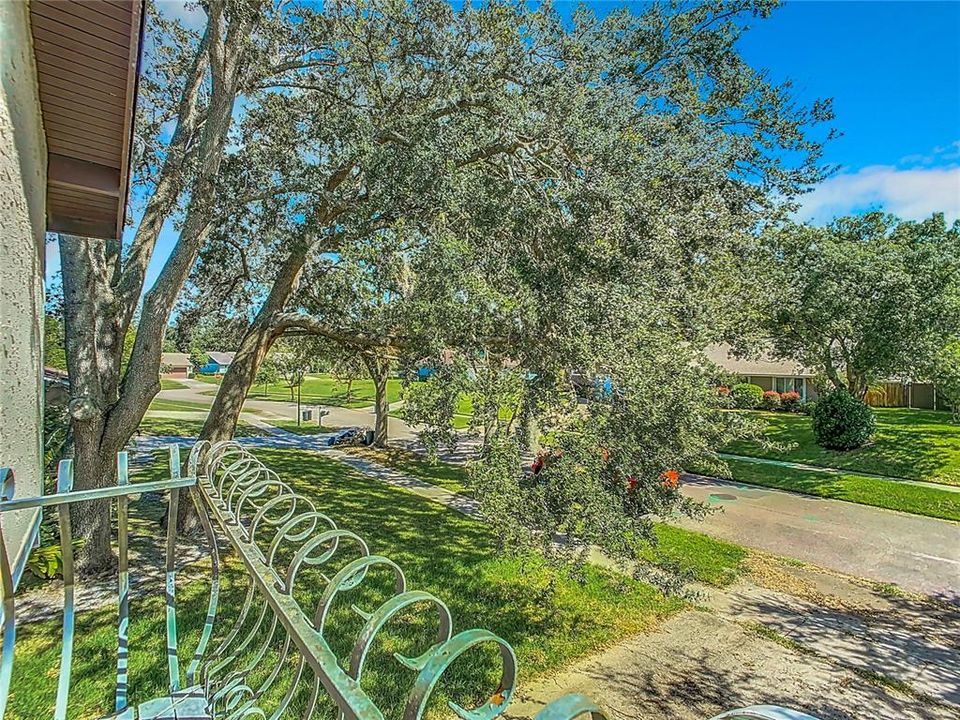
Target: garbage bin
368,437
306,415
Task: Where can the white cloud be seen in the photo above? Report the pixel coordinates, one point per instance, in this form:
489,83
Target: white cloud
189,14
909,193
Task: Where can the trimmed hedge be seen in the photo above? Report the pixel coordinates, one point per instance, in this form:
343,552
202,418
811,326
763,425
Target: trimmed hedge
842,422
747,396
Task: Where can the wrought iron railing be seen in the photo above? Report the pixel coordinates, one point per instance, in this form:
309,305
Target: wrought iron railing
274,659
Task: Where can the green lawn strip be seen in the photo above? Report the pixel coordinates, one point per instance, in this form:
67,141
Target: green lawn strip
446,475
190,428
914,444
698,556
320,389
549,617
179,405
170,384
889,494
304,428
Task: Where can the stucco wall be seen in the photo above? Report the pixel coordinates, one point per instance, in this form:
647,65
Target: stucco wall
23,169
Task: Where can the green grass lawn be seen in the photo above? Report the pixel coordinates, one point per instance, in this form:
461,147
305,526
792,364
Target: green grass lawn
189,428
171,384
701,557
321,389
446,475
304,428
549,617
878,492
915,444
179,405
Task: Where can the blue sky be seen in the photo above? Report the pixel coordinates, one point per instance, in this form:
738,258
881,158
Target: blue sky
893,70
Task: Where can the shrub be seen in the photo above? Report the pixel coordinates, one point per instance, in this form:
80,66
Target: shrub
724,398
807,407
842,422
790,401
771,400
747,396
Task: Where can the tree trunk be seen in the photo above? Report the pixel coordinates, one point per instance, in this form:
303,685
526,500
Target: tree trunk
91,520
857,384
349,388
379,369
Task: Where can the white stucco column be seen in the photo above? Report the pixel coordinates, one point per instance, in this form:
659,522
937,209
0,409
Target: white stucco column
23,182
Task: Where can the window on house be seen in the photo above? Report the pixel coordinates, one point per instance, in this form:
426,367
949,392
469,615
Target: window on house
789,384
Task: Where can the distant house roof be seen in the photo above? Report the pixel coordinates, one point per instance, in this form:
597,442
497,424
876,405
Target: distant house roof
175,359
221,358
763,364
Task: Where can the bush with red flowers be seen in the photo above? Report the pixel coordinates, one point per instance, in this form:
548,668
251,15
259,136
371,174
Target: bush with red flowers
771,400
790,401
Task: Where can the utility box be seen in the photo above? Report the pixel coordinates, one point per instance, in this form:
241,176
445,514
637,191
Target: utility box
306,415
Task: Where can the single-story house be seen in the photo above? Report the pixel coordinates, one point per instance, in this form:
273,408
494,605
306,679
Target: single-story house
786,375
176,365
217,363
763,370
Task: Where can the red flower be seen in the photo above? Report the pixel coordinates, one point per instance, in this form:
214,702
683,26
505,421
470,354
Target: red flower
671,478
631,483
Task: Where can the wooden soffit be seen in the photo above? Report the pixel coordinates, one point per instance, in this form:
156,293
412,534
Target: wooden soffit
87,54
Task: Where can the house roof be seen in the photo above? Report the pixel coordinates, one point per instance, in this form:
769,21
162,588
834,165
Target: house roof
87,56
221,358
175,359
762,364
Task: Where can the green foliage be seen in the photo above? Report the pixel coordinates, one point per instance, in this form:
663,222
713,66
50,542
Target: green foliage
434,402
842,422
771,400
946,375
865,298
46,561
791,401
53,353
747,396
56,425
267,374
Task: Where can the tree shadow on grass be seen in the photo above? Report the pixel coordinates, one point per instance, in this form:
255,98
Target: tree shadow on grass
548,617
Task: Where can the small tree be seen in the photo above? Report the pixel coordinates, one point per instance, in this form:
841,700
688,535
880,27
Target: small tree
347,367
946,375
292,359
267,375
198,358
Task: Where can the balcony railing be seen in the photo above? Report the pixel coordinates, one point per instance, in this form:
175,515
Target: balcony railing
273,660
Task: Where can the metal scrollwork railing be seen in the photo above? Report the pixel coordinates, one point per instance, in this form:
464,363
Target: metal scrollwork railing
273,659
260,514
